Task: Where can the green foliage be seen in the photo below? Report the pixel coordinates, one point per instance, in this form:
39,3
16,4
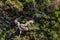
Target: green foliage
48,2
46,26
18,5
17,38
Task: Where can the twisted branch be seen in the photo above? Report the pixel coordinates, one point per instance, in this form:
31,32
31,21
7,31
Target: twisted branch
22,27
